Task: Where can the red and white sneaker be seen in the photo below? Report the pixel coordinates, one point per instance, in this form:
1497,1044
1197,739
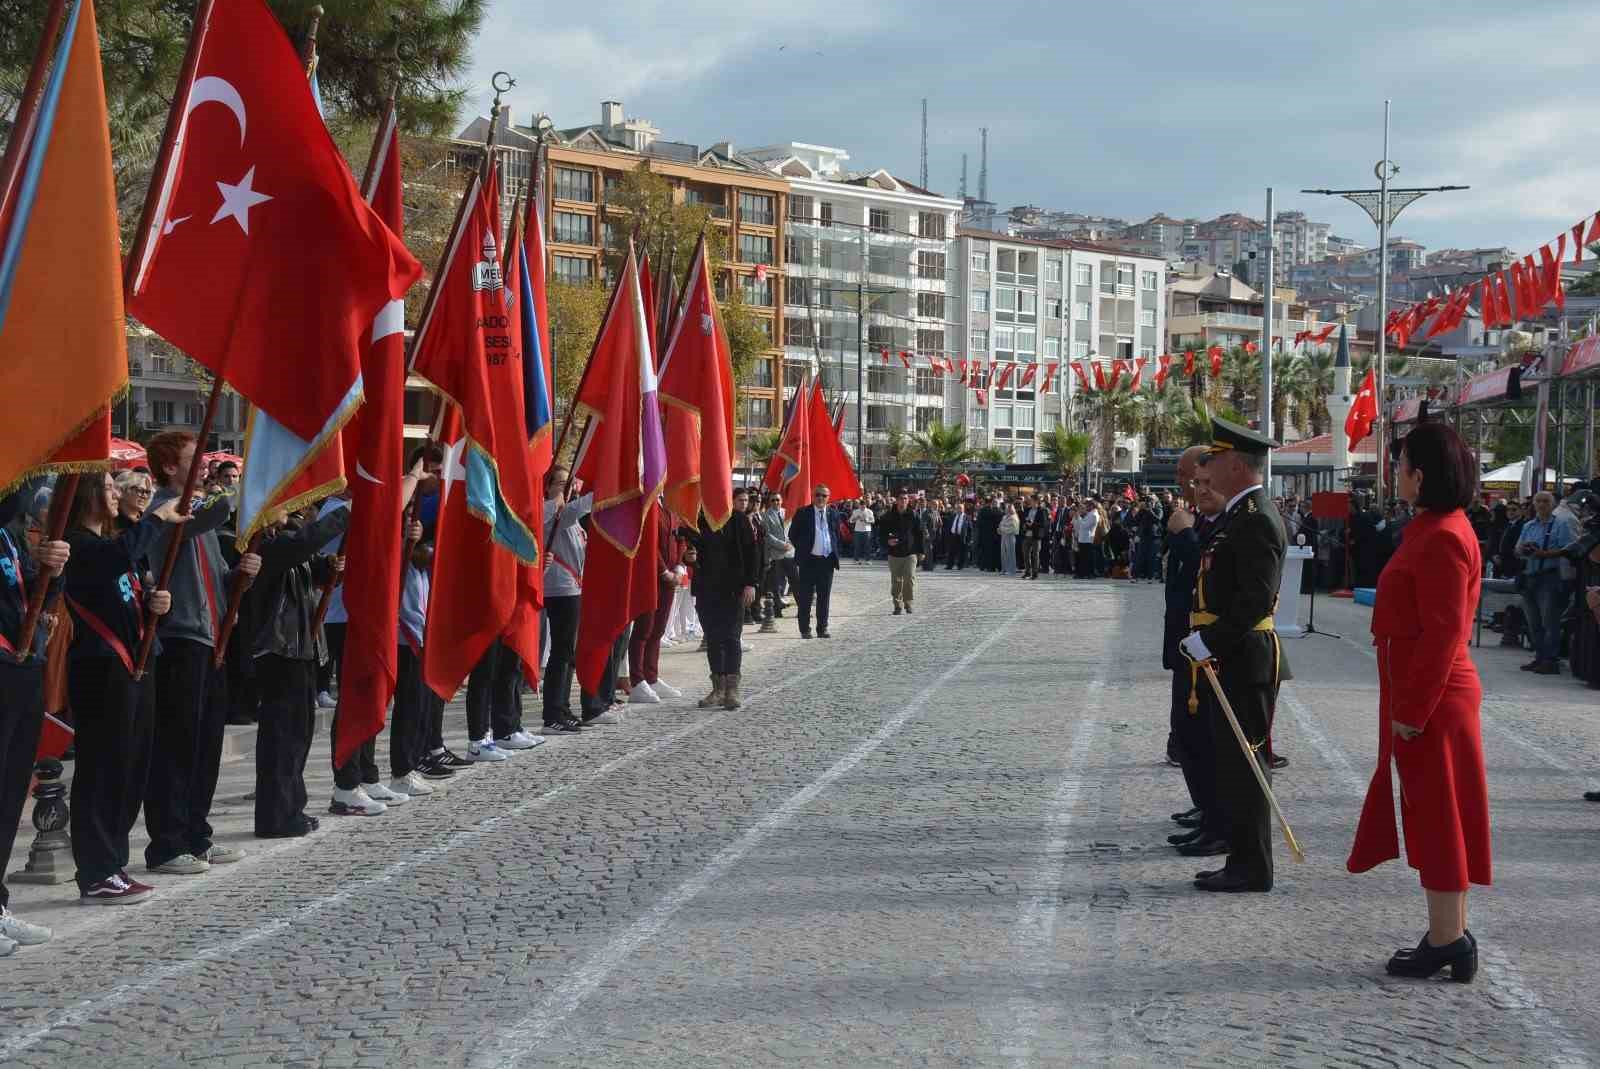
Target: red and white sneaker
115,890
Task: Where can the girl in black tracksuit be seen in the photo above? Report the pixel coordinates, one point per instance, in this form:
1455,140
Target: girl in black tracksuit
106,592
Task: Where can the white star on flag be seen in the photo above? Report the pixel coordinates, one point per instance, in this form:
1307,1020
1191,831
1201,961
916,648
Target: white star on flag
237,200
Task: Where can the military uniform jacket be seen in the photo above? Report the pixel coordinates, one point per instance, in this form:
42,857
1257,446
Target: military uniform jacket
1237,589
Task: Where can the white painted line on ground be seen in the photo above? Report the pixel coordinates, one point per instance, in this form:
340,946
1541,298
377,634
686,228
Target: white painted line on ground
1506,983
88,1009
1033,934
517,1042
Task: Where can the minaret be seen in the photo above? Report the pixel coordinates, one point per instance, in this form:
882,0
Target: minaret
1340,400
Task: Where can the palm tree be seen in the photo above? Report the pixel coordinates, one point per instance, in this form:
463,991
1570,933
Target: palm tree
1117,409
1196,428
995,454
1289,395
1161,413
1067,450
943,447
899,445
1241,372
762,445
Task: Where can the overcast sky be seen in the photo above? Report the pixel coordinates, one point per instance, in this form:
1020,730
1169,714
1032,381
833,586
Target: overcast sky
1120,109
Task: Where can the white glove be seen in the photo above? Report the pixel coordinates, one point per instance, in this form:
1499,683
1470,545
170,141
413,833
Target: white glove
1194,648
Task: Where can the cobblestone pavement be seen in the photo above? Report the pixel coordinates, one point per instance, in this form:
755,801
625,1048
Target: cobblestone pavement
934,840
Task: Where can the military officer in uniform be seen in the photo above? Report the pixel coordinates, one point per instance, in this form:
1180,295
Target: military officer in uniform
1235,594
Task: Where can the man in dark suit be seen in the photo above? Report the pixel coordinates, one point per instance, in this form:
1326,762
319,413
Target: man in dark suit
1235,593
957,531
1035,529
816,550
989,517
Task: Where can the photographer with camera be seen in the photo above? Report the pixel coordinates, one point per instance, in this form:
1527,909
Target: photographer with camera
1543,583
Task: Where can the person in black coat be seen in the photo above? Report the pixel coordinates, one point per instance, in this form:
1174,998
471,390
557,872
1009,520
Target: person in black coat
901,532
727,572
816,550
989,517
1035,529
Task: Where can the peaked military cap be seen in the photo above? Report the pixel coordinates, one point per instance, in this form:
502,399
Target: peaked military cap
1226,435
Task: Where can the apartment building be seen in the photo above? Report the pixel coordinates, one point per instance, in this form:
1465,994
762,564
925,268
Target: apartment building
1209,307
866,261
746,202
1041,302
167,391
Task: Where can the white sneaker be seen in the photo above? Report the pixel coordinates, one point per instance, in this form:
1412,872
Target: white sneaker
387,795
664,689
643,695
486,751
746,646
21,932
412,784
518,740
182,865
602,718
326,700
356,803
7,947
218,854
667,643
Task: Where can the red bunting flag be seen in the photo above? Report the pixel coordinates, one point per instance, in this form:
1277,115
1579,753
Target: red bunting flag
983,398
1028,374
1250,347
1049,376
1163,369
1188,363
1324,334
1577,243
1363,414
884,354
905,359
1082,374
1099,375
1215,353
1138,375
1004,376
1117,368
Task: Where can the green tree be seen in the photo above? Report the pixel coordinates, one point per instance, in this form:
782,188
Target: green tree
943,447
1195,429
761,445
1066,450
1117,412
995,454
1161,412
899,446
576,309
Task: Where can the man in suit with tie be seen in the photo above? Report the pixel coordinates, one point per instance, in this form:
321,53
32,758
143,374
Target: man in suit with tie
956,534
816,551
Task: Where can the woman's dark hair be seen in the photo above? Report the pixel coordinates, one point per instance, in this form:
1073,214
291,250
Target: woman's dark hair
89,502
1449,469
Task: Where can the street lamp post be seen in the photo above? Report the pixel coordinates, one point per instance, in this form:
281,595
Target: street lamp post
1384,206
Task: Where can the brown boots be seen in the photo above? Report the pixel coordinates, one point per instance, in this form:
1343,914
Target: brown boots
730,691
718,693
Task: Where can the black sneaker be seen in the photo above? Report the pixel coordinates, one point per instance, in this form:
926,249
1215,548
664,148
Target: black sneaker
430,768
449,759
564,726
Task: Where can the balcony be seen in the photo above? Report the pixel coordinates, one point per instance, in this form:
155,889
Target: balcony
1198,324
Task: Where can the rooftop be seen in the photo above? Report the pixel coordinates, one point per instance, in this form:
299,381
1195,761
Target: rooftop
1051,243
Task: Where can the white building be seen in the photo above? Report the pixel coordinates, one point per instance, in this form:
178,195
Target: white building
865,239
1042,302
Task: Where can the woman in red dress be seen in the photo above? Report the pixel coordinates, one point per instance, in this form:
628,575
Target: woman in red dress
1428,704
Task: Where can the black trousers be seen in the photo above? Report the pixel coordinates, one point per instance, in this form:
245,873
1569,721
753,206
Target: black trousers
1084,568
722,618
1030,556
1246,816
600,701
114,718
21,716
283,741
186,752
955,552
328,674
561,623
1196,754
494,702
815,588
363,764
432,715
408,723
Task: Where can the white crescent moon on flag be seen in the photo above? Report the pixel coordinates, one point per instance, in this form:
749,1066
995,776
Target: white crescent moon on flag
361,470
211,89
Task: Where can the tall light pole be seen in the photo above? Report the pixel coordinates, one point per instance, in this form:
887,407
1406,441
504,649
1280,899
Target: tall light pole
1384,206
1266,340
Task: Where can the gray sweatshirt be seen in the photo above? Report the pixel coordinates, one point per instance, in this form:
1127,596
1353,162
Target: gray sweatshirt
568,546
199,583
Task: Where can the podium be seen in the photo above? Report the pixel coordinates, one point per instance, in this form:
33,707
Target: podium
1286,621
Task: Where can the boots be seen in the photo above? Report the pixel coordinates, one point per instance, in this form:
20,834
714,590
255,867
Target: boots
730,694
717,695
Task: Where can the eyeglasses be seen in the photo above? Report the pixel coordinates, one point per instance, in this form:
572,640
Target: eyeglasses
139,491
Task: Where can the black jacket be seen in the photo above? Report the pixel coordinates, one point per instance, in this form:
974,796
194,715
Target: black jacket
1240,567
803,535
906,528
13,606
726,561
283,600
103,588
1036,522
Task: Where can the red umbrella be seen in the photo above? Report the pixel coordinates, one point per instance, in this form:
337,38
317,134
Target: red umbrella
213,458
126,454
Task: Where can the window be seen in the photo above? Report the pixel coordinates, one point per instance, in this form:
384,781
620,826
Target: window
755,208
977,419
193,413
1108,277
1005,341
826,210
1028,268
878,417
880,337
757,292
1052,308
797,292
1147,351
794,375
980,300
1080,311
930,264
797,332
1027,306
1052,271
574,184
930,225
1005,302
1147,317
1002,417
880,260
980,260
755,249
1027,341
1048,421
801,208
1024,454
162,411
879,220
1147,281
796,251
1125,278
760,409
1080,349
1025,417
930,342
928,384
762,374
927,417
574,229
574,269
883,379
1005,263
1052,348
1083,274
610,182
160,365
930,305
978,342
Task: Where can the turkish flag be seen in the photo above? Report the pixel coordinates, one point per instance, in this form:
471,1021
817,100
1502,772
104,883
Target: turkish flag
373,441
1163,369
697,392
1117,368
1363,413
1250,347
1049,376
1188,363
262,260
1215,353
1083,375
1099,375
1004,376
1028,375
830,464
1138,375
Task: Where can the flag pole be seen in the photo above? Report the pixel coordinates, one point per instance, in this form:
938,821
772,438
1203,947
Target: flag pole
22,126
242,582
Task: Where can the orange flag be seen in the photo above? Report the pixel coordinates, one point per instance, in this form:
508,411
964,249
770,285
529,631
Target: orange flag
696,388
61,317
